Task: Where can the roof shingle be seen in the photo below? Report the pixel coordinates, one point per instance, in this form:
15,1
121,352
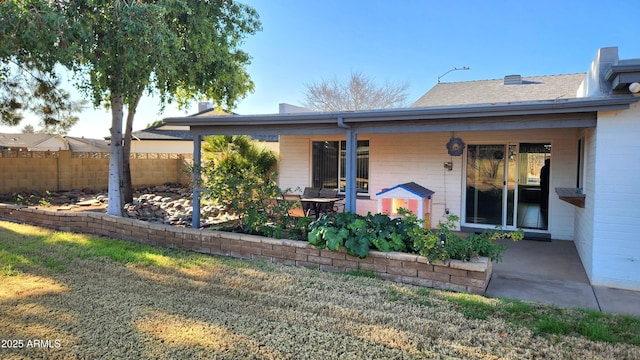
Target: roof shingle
532,88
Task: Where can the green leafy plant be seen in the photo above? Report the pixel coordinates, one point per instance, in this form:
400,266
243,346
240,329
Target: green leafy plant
358,234
240,176
23,200
46,199
443,243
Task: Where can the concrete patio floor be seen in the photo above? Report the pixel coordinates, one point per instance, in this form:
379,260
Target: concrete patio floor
552,273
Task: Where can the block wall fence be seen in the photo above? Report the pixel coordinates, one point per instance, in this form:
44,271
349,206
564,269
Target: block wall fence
66,170
470,277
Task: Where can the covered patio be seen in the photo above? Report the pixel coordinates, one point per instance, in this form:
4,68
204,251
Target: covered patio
579,113
551,272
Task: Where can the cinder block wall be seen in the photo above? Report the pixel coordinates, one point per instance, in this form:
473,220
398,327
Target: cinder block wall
470,277
64,170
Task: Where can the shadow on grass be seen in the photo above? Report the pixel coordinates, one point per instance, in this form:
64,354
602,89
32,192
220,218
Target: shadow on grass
70,290
117,299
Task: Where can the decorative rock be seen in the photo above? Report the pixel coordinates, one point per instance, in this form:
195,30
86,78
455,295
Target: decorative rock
161,188
172,205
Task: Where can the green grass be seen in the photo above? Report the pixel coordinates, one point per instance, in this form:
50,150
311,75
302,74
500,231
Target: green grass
473,307
28,249
361,273
543,320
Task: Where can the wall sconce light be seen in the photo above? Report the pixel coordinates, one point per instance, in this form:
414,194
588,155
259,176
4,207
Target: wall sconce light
448,165
634,87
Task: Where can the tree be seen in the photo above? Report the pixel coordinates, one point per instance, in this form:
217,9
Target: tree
119,50
30,47
181,49
240,175
231,152
358,93
23,90
155,124
28,129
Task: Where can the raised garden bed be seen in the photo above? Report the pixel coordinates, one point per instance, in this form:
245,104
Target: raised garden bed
463,276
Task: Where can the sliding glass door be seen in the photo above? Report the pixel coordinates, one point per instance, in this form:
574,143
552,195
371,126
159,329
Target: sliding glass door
485,184
504,185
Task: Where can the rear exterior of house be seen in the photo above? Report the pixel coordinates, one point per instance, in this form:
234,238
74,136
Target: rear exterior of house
553,155
607,229
499,180
420,157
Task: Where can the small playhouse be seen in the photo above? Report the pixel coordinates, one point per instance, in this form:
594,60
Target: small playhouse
410,196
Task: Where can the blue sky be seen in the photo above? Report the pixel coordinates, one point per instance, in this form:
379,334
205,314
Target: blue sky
411,41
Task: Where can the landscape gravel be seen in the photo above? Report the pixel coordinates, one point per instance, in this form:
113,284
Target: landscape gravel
169,204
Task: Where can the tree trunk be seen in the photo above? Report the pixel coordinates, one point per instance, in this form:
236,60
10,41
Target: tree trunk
127,191
115,158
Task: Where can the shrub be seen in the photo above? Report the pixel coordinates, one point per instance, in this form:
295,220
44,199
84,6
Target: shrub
358,234
240,176
443,243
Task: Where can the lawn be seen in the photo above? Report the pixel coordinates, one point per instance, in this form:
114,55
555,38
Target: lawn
73,296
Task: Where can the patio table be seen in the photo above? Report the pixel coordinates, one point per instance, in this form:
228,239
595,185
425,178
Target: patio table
316,204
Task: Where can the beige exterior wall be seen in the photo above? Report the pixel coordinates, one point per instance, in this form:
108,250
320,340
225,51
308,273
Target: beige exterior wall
420,157
35,171
273,146
180,147
52,144
162,146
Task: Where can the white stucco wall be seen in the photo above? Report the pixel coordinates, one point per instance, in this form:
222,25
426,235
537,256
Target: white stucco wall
584,217
420,157
616,200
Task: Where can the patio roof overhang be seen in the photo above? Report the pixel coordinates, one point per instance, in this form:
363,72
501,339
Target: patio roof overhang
561,113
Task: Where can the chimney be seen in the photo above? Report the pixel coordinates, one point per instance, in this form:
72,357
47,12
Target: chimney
204,106
513,80
595,82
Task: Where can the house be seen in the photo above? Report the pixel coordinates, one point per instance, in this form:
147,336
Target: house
32,142
484,155
48,142
176,139
82,144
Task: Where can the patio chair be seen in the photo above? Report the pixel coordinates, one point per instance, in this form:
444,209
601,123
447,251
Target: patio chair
330,194
296,210
309,192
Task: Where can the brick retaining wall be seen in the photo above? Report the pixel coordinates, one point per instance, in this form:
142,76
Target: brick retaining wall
471,277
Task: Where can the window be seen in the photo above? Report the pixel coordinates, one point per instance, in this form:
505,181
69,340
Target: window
329,165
